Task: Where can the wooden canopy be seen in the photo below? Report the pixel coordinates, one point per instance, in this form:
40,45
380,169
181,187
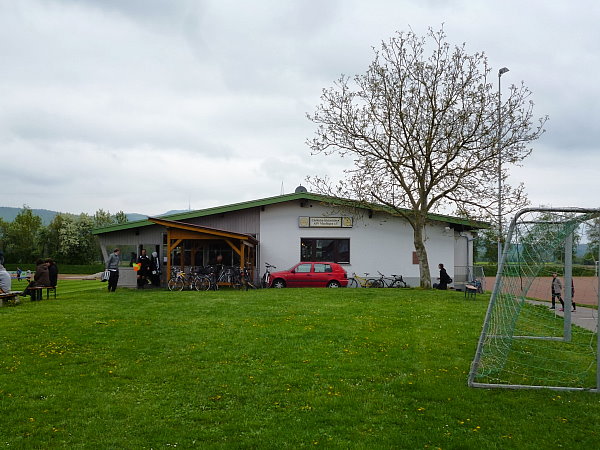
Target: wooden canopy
178,231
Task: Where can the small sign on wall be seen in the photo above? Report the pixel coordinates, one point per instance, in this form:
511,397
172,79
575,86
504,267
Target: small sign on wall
325,222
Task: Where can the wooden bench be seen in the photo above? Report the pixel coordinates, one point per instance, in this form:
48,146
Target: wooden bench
36,292
9,298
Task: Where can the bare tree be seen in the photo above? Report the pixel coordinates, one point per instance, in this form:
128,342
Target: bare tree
423,132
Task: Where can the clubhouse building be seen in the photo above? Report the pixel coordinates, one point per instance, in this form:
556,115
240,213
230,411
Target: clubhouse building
286,229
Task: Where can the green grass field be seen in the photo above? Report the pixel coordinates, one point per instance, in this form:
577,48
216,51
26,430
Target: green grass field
334,368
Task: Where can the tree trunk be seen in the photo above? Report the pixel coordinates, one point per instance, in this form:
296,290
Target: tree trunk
425,275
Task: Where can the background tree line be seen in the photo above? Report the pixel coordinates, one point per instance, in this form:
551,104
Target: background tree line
486,246
68,239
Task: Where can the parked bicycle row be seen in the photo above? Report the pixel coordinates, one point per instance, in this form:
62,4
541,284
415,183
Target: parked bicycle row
209,278
304,274
395,281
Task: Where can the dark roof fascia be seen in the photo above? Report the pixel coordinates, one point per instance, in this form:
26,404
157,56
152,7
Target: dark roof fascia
281,199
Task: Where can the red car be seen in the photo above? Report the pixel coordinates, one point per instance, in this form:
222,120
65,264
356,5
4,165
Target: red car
310,274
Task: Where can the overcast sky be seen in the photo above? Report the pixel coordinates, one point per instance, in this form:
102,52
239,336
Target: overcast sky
152,105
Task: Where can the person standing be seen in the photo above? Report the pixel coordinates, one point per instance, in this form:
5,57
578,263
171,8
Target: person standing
112,265
572,296
155,270
144,270
556,290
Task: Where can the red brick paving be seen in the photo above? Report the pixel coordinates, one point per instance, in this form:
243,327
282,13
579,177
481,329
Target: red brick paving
586,289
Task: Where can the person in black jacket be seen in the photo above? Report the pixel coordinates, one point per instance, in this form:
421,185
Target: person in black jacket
444,279
144,270
40,279
52,272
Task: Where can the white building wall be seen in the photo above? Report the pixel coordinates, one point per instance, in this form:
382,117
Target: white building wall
463,257
381,243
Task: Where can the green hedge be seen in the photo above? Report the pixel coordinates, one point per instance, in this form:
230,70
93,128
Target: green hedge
63,268
579,270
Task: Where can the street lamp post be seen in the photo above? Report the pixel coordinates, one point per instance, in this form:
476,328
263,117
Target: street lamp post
500,73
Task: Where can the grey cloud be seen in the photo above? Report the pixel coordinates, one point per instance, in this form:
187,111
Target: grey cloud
103,89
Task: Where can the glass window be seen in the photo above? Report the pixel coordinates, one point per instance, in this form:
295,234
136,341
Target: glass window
322,268
334,250
303,268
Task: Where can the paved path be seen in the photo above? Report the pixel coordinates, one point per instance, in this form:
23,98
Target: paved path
584,317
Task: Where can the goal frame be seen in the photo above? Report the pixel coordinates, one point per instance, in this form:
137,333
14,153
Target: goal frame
568,270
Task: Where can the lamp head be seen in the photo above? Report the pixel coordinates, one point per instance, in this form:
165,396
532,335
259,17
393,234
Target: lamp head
502,71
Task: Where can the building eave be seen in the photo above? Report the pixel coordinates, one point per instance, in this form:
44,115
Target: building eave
181,217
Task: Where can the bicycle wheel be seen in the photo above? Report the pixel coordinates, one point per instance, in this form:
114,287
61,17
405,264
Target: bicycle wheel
202,284
264,281
352,283
372,283
176,284
214,283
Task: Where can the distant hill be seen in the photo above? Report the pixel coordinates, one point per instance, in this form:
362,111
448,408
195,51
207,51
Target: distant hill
8,214
173,211
135,216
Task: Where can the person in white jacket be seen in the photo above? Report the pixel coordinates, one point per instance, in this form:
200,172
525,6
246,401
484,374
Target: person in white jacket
5,282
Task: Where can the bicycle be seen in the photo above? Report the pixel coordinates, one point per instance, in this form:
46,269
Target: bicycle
397,282
379,282
231,276
357,281
264,282
246,279
180,281
202,280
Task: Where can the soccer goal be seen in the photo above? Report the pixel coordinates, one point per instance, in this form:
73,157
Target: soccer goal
523,343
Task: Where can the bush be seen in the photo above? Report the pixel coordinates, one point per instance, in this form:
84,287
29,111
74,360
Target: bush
579,270
86,269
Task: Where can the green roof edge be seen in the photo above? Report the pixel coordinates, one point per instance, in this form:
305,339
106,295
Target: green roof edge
270,201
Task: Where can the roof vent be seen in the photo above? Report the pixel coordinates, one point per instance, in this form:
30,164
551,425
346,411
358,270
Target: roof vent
300,189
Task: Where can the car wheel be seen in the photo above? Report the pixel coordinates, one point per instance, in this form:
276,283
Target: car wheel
333,284
278,283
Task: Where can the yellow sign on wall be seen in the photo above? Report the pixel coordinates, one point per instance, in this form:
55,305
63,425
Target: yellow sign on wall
325,222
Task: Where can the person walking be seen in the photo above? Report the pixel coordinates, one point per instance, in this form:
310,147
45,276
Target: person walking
556,290
573,296
112,265
444,279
